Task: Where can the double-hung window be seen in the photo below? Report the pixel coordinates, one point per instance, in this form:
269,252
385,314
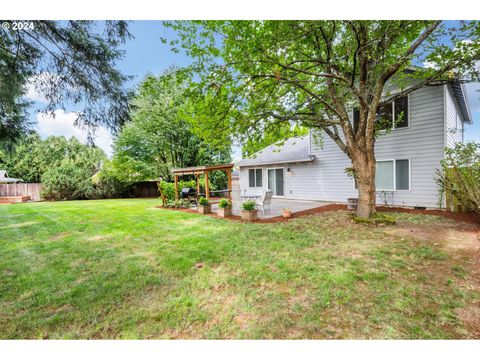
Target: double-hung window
255,177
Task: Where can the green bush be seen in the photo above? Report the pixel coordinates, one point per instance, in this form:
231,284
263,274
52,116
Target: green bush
203,201
249,205
69,181
179,204
168,189
460,176
224,203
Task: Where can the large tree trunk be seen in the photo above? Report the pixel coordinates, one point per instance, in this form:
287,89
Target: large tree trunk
364,166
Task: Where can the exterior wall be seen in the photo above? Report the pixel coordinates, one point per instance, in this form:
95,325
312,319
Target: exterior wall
422,143
454,122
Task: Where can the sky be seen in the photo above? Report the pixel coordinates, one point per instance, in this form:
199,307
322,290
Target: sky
146,54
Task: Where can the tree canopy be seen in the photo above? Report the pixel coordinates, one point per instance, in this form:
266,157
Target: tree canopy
158,136
32,157
66,62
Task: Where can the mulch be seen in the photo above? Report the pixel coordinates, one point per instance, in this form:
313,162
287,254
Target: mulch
473,218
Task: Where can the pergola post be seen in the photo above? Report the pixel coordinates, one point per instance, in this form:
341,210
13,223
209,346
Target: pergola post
207,186
197,177
176,187
229,187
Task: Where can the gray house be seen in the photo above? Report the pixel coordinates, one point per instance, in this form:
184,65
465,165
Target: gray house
407,157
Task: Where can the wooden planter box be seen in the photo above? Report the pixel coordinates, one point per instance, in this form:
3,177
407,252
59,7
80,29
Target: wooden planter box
249,215
204,209
224,212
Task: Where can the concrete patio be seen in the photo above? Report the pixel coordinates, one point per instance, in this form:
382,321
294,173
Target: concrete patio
276,207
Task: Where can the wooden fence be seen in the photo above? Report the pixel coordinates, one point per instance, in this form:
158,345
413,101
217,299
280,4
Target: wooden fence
20,189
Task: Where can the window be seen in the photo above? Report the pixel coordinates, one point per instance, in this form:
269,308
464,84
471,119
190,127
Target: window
402,174
393,175
392,116
384,175
255,177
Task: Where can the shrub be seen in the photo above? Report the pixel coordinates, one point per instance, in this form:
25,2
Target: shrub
224,203
177,204
68,181
203,201
168,189
249,205
460,176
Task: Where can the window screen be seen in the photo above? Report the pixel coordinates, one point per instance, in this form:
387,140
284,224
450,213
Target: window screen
258,177
384,175
251,177
402,177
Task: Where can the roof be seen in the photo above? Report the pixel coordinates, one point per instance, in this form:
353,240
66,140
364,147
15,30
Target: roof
460,94
5,179
201,169
293,150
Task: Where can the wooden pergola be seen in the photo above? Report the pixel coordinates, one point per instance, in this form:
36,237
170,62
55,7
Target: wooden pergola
199,170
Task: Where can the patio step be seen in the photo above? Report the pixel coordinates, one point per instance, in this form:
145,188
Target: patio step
14,199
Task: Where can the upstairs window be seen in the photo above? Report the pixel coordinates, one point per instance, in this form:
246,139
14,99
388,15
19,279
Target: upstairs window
255,177
393,115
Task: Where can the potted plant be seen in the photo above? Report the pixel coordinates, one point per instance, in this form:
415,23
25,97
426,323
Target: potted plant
224,208
249,210
204,206
286,213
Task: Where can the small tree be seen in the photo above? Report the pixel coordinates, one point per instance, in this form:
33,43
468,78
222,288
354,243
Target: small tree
460,175
263,81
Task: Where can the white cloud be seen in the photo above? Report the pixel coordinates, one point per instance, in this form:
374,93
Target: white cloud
33,94
62,124
37,85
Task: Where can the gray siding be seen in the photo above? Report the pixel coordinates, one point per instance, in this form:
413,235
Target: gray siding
454,122
422,142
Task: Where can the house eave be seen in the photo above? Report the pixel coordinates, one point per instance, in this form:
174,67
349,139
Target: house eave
460,93
245,163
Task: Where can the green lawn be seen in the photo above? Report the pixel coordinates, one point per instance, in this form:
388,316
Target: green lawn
126,269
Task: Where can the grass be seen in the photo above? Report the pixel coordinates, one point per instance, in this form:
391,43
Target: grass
126,269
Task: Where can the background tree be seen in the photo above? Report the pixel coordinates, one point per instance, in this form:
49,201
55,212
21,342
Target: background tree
32,157
158,137
66,62
265,80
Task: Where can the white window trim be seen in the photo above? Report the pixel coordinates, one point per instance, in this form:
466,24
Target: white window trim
255,177
274,168
394,175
